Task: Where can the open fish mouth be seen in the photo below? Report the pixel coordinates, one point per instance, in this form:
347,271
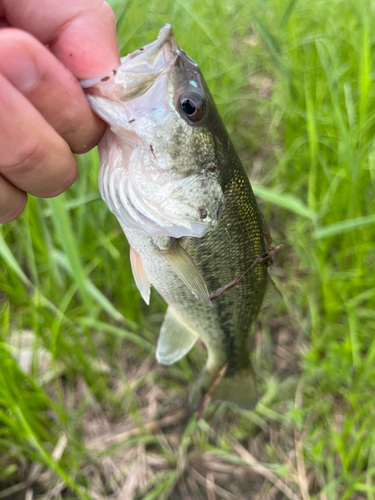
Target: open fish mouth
138,70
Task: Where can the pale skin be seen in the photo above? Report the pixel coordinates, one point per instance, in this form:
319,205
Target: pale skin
45,47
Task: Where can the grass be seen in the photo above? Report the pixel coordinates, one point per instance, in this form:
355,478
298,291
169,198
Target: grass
85,411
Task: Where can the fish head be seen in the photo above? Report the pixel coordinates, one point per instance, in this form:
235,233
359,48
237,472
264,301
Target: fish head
158,156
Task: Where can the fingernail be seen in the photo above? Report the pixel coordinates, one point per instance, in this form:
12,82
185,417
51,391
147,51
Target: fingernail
19,68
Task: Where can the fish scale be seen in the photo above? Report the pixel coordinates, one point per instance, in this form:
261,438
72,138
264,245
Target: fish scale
223,255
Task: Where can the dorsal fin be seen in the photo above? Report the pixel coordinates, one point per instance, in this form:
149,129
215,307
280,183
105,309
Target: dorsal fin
273,303
267,238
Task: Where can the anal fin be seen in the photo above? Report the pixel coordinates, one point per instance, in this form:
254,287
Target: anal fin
140,276
175,340
184,266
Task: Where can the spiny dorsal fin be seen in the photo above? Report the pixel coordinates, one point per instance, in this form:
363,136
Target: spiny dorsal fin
140,276
184,266
265,231
175,340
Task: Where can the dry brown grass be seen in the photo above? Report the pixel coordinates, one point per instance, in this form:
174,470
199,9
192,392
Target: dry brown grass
157,440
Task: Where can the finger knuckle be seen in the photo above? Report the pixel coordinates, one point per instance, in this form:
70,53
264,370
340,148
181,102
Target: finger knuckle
26,158
15,36
9,213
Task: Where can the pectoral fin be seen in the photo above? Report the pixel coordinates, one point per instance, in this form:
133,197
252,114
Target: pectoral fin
184,266
140,275
175,340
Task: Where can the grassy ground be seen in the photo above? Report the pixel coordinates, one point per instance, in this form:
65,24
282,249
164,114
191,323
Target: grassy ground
85,411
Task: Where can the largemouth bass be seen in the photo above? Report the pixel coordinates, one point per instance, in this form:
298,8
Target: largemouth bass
170,174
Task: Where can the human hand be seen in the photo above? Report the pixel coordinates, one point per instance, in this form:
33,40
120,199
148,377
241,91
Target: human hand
44,114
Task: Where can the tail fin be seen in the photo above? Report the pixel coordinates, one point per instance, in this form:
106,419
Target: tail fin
238,390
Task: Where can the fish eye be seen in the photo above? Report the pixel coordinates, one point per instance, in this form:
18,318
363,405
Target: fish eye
192,106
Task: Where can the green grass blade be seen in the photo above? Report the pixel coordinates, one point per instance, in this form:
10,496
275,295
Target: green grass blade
70,246
91,289
119,332
11,261
343,227
287,201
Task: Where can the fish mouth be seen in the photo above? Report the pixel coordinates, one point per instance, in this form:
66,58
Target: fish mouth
138,70
165,42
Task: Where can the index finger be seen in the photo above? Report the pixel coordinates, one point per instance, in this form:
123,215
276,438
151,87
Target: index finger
80,33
